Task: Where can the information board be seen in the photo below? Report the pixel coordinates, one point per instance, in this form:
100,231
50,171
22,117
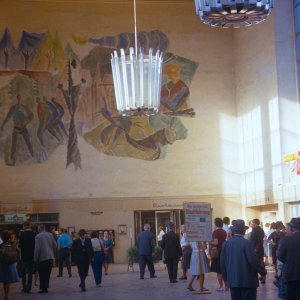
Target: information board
198,221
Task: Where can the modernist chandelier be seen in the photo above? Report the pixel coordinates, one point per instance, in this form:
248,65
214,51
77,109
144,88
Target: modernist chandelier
137,79
236,13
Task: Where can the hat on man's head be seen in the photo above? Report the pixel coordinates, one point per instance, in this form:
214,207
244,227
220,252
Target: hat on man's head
295,223
171,225
81,232
238,225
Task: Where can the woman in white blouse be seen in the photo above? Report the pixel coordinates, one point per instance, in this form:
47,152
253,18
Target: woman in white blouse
98,257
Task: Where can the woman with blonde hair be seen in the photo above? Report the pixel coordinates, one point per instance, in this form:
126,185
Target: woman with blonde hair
108,250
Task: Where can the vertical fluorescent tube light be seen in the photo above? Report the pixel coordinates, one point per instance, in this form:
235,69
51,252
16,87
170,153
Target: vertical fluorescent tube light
137,79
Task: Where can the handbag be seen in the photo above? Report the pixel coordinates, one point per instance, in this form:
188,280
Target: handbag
214,253
9,253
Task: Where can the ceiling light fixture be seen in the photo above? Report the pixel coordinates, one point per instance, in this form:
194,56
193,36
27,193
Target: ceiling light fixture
236,13
137,79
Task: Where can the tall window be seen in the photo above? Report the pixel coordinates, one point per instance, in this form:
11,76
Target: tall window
297,30
295,210
252,161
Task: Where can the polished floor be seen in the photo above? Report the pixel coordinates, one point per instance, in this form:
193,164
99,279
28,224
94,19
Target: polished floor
123,284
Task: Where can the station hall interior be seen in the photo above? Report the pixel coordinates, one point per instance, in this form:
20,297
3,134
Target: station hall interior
232,141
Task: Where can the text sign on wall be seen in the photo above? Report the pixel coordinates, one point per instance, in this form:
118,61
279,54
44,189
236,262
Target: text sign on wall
19,218
198,222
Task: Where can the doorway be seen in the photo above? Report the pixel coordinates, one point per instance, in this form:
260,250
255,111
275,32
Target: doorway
155,219
162,218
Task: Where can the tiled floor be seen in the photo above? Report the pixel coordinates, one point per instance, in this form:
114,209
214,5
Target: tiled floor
123,284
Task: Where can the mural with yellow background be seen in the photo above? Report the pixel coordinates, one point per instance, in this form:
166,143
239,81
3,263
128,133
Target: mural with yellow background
51,95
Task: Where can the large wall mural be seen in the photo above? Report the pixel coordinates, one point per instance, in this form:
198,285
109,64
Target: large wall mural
50,96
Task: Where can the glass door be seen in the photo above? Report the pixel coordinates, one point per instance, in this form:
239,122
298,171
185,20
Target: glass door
148,217
162,218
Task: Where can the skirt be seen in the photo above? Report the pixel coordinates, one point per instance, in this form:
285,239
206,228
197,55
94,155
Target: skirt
9,273
215,265
186,258
194,267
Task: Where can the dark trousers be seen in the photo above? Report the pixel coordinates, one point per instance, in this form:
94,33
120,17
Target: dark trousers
83,270
243,294
146,260
293,290
64,257
172,266
97,266
44,269
27,274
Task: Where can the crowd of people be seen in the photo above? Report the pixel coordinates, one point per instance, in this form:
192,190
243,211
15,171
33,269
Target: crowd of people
32,254
236,253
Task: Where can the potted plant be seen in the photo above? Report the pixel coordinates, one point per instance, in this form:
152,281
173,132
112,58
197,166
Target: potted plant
157,253
132,254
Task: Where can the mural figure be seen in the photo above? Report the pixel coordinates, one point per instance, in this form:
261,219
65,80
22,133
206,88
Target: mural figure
72,96
139,136
57,116
175,92
46,117
152,142
21,116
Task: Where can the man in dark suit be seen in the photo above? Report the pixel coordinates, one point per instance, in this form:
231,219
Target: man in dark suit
172,252
26,244
145,247
257,238
82,254
288,252
240,264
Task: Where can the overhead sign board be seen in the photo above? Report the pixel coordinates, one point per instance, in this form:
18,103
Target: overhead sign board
15,218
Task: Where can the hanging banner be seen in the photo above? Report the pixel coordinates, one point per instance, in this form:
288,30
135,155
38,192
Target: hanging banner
198,221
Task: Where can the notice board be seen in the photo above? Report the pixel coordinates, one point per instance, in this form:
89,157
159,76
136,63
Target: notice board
198,221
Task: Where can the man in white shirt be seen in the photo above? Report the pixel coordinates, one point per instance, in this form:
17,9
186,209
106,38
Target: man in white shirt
186,253
226,227
160,235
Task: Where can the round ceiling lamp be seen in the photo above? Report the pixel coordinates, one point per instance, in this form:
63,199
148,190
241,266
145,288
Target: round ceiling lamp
236,13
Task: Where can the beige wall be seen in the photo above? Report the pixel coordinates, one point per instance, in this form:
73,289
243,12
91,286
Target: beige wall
108,213
199,165
268,108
